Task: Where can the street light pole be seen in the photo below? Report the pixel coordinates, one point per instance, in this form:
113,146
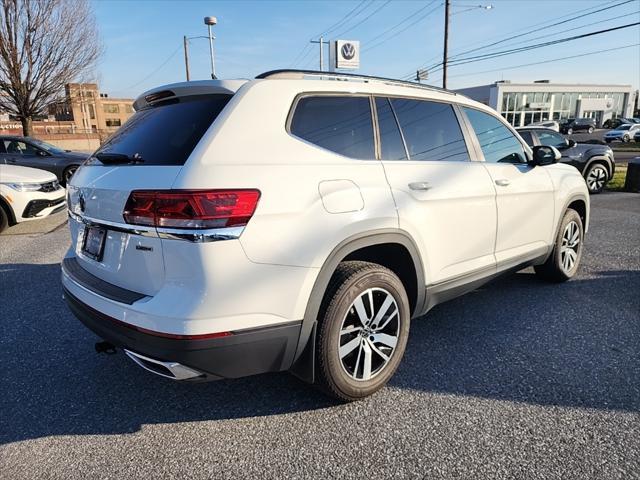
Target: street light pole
321,42
186,57
445,55
209,22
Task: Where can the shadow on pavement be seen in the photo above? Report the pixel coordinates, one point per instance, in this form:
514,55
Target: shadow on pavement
518,339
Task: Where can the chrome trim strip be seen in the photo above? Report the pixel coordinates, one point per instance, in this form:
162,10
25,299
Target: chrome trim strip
187,234
201,236
179,371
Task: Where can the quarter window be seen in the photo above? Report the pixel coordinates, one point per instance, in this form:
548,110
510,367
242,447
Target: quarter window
431,130
498,144
526,136
338,123
392,146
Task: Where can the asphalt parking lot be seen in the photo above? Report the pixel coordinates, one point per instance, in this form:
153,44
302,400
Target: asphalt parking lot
520,379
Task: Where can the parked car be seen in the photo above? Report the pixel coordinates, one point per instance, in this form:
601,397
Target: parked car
595,162
28,194
616,122
31,152
296,223
552,124
572,125
624,133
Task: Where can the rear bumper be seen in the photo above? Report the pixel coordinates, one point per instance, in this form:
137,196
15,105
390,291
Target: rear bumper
242,353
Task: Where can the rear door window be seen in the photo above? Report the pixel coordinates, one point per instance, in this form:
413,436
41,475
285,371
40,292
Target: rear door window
498,143
341,124
392,146
431,130
166,133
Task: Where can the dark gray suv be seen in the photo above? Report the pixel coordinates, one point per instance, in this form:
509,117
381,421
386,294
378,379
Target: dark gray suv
572,125
30,152
595,162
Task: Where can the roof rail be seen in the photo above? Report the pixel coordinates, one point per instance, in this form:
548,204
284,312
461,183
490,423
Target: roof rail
299,74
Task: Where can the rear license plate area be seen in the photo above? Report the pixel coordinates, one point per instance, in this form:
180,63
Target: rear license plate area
93,243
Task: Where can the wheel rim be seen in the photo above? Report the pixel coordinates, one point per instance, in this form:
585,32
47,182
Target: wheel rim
69,173
570,246
369,334
596,178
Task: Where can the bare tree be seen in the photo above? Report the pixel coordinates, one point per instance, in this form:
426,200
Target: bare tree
44,44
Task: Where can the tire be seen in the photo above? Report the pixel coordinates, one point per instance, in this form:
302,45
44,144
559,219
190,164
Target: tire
570,131
625,139
67,174
342,358
596,177
4,219
570,239
590,130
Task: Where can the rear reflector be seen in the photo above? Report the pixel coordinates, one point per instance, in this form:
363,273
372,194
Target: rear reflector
197,209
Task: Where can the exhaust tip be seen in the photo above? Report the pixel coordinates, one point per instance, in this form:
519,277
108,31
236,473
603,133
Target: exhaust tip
171,370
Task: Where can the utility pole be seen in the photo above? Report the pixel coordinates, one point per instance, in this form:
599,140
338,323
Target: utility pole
447,5
186,56
321,42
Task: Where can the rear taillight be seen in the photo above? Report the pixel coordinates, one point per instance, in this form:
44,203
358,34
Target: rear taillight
191,208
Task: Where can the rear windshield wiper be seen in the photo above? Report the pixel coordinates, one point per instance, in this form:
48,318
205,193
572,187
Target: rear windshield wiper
119,158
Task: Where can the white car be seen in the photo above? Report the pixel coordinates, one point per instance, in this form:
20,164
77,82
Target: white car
624,133
552,124
298,221
28,194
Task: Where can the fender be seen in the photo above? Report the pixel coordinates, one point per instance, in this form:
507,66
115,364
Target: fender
304,358
569,201
599,158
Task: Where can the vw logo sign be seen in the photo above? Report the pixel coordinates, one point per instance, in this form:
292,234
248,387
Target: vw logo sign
348,51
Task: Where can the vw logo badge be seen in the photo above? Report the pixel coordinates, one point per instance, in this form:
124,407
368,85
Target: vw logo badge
81,201
348,51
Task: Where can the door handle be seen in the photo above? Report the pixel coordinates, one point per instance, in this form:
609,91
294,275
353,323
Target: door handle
503,182
419,186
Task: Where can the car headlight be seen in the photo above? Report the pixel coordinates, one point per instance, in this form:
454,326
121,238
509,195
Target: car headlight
25,187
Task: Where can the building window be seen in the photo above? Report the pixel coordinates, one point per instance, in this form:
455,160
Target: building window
113,122
92,112
111,108
128,108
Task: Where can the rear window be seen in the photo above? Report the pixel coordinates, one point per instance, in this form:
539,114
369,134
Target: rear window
166,133
340,124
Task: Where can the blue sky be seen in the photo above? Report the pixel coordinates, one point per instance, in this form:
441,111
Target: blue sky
143,39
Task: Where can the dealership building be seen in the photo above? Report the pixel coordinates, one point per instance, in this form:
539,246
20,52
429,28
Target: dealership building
525,103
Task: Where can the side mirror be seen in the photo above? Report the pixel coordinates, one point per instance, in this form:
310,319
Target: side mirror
571,143
545,155
42,153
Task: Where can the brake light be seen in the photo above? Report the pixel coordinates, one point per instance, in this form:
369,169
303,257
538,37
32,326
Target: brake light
191,208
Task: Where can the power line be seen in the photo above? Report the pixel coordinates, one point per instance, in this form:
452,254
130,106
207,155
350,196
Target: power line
156,70
489,56
486,56
548,26
406,19
348,16
364,19
583,13
512,67
420,18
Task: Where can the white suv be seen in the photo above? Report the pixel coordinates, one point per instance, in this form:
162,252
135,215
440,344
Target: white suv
299,220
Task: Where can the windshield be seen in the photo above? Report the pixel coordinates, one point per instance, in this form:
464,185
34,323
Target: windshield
624,127
46,146
165,133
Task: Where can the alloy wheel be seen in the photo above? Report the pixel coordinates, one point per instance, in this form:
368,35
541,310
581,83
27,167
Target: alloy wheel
570,246
68,174
369,334
596,178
